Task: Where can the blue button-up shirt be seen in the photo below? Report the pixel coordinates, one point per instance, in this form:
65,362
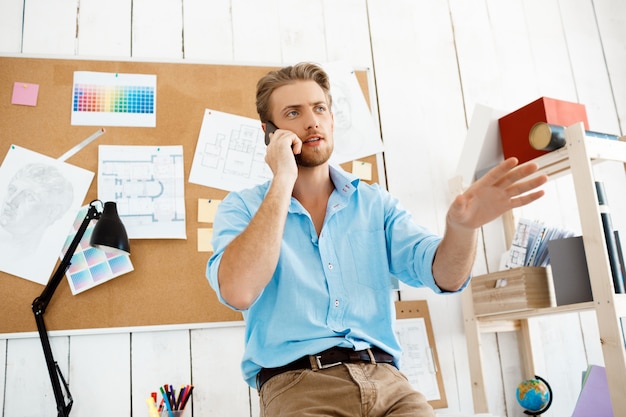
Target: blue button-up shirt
331,290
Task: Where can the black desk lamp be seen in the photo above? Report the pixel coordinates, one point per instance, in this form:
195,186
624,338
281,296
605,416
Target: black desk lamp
108,234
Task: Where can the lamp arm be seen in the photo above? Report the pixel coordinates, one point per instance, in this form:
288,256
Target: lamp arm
39,308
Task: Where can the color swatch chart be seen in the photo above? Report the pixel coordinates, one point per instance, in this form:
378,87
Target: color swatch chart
116,99
113,99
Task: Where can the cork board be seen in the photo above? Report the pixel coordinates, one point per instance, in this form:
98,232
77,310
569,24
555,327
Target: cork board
168,284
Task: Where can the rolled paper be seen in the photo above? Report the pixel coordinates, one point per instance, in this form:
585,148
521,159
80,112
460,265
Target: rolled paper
548,137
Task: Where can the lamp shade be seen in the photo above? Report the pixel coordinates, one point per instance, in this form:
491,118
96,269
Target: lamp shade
109,233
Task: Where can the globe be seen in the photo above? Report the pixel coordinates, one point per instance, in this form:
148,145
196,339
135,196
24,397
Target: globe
534,395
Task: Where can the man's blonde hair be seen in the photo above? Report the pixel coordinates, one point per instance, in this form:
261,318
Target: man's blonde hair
304,71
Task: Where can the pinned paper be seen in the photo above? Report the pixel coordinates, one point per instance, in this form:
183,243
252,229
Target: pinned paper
207,209
153,194
114,99
362,170
25,94
204,240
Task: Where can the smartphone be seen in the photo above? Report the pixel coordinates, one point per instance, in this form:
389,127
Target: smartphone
269,128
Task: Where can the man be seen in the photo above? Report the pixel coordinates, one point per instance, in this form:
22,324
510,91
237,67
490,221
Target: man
308,258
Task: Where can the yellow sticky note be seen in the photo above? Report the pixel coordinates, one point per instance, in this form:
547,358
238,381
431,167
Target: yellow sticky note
204,240
206,209
362,170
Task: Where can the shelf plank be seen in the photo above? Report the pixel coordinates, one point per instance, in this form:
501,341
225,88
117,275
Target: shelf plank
536,312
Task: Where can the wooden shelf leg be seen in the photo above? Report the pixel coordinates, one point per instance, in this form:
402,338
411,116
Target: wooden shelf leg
526,349
474,352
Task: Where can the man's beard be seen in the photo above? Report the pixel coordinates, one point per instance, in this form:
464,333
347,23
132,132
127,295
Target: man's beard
314,157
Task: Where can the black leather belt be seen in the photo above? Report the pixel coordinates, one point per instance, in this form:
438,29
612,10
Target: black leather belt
326,359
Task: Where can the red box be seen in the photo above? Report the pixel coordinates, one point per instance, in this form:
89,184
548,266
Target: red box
515,127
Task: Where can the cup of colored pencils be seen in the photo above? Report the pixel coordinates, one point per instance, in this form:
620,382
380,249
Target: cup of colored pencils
172,403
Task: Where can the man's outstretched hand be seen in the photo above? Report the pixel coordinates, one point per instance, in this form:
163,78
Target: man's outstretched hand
502,188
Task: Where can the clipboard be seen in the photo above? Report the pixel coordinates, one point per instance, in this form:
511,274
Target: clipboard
420,362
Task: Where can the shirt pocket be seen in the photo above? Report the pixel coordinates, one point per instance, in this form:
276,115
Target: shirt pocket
369,254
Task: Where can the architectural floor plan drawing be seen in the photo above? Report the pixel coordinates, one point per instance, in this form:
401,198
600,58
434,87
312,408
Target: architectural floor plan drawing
230,153
147,183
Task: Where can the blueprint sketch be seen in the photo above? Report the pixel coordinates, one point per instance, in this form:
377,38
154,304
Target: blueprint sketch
230,153
147,183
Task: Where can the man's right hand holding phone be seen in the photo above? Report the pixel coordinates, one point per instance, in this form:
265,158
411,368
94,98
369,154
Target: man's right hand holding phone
282,145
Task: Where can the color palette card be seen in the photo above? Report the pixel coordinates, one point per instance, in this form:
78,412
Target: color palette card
91,266
112,99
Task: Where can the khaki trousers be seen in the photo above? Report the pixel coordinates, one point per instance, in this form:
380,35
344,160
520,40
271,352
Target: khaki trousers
346,390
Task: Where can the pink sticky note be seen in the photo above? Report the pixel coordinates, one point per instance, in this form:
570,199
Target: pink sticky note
25,94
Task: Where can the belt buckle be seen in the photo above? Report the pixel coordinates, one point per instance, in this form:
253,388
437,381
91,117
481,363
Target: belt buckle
329,365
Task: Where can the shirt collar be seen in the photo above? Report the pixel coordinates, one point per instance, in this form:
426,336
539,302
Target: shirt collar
345,182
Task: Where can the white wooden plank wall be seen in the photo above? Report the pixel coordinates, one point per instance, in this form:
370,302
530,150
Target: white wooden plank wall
416,70
432,61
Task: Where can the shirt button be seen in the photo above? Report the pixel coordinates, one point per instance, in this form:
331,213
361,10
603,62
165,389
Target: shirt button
336,303
330,266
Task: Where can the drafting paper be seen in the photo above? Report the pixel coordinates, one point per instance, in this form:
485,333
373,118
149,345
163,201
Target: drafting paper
91,266
356,134
39,198
230,153
111,99
417,361
25,94
147,183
